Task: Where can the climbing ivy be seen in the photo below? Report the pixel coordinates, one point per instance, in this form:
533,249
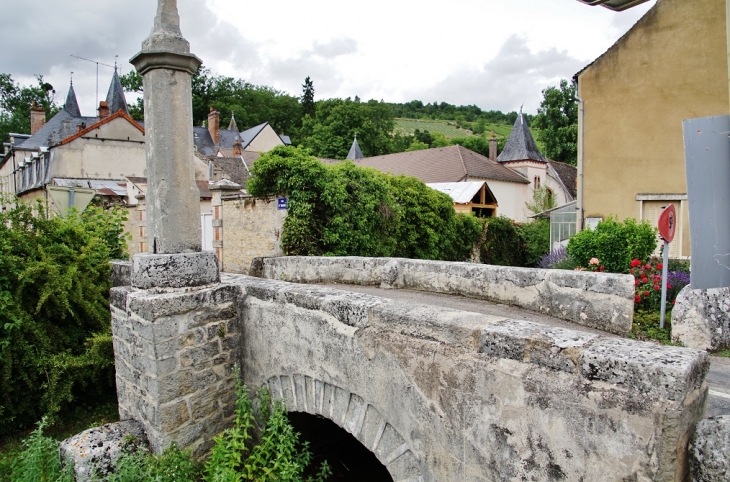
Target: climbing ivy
348,210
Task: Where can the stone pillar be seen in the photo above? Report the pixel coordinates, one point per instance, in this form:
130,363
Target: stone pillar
218,189
173,201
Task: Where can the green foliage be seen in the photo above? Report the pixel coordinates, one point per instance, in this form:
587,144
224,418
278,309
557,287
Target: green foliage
536,237
346,210
330,132
504,246
557,120
646,327
614,243
39,461
16,101
138,464
278,455
542,200
55,339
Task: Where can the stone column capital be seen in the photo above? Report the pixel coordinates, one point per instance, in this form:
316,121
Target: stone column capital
147,60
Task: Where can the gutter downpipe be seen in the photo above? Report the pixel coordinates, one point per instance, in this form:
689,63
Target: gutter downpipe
581,131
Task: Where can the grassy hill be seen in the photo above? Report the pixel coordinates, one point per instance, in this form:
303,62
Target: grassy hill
450,130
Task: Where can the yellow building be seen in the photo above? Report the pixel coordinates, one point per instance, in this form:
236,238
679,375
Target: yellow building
671,66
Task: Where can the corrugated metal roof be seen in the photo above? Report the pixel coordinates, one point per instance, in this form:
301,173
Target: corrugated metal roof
101,186
460,192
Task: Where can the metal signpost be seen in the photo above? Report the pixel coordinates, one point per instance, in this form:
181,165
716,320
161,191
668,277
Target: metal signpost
667,223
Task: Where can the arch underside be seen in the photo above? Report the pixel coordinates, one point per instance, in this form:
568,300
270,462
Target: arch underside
352,413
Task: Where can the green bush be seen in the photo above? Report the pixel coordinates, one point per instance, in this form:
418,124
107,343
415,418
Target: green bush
55,332
39,461
614,243
347,210
503,245
536,236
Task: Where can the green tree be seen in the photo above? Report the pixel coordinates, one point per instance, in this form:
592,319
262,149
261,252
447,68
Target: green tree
308,107
557,119
132,82
16,101
337,122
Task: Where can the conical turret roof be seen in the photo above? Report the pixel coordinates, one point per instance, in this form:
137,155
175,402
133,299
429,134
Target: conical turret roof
520,145
115,97
72,105
355,151
232,126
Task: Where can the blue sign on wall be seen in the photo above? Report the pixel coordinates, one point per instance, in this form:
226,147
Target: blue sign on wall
281,203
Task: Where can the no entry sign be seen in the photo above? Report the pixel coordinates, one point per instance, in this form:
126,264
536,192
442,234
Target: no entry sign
667,223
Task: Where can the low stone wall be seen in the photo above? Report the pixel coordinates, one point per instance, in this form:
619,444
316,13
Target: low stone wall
598,300
701,318
435,394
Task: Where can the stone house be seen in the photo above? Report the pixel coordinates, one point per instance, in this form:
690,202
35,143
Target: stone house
670,66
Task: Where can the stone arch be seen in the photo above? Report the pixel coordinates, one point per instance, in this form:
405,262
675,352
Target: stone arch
349,411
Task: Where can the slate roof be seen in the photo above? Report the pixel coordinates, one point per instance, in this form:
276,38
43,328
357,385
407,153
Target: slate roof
520,145
115,96
249,134
568,175
234,167
203,186
285,139
58,128
203,141
443,164
355,152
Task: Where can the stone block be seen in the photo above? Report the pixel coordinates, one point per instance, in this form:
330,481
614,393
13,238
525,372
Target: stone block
644,367
93,452
174,270
709,452
701,318
121,274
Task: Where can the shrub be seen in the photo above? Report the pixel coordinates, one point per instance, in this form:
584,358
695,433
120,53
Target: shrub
553,258
138,464
55,332
504,245
39,462
536,236
614,243
347,210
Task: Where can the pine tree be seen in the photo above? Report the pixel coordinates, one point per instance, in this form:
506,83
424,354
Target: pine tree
308,98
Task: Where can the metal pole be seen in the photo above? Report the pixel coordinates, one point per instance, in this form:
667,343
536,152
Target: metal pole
665,270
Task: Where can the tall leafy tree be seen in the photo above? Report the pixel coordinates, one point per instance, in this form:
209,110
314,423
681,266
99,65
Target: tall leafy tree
557,119
16,101
308,107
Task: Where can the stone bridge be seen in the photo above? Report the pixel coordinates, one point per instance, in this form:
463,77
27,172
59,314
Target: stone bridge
435,394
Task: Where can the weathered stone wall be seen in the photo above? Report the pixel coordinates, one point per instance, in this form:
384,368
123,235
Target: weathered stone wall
434,393
174,352
248,228
598,300
701,318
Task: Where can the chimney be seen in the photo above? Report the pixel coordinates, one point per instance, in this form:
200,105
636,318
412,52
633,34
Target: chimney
103,110
237,148
214,120
37,118
493,148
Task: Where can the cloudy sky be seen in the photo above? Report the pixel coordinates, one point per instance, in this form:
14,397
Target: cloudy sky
497,54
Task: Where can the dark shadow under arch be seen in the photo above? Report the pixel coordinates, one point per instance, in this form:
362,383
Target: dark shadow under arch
349,460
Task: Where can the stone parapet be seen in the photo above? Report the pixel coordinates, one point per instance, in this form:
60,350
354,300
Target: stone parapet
710,450
602,301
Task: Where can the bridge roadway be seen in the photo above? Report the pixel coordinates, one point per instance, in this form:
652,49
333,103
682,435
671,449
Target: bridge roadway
718,378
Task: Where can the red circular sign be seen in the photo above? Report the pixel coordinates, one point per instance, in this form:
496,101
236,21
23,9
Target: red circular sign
667,223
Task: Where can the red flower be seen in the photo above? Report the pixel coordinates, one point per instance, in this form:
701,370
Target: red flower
656,287
601,268
646,293
637,299
669,287
637,282
644,279
659,266
674,301
647,266
631,271
635,263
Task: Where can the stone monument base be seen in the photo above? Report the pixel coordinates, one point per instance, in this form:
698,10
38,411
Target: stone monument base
180,270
